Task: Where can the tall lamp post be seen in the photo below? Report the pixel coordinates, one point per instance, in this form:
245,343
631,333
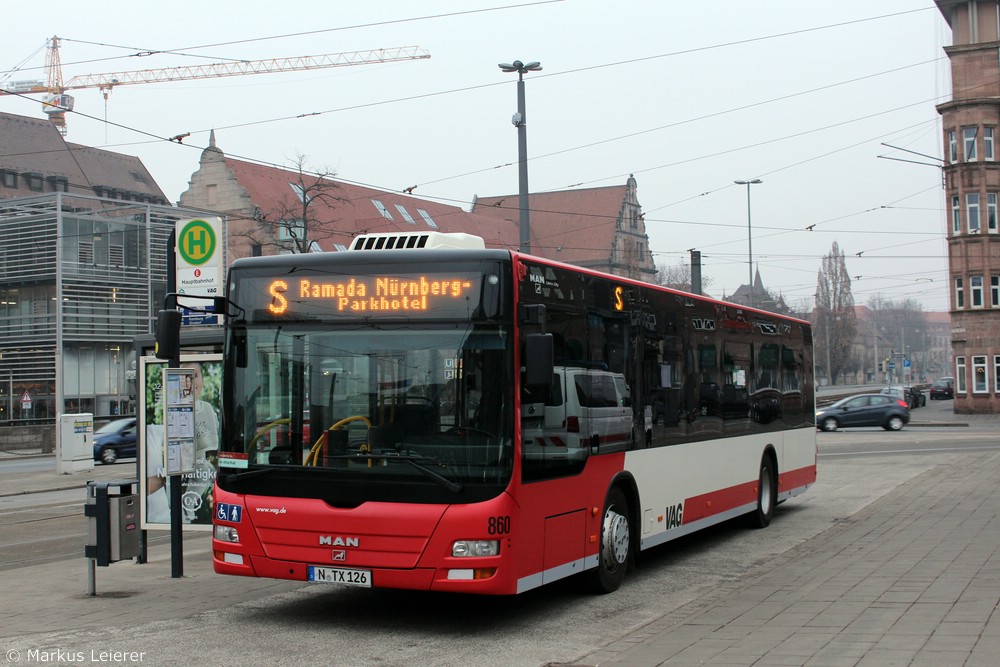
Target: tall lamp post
748,183
522,145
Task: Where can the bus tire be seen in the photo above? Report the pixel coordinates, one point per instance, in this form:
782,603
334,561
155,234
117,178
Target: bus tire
767,494
616,544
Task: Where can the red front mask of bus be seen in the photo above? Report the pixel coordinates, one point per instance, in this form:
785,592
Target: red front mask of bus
368,424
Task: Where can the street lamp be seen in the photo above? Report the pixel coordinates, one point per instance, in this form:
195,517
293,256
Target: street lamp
748,183
519,120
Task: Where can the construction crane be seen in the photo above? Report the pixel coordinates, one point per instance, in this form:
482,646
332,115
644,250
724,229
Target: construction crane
57,102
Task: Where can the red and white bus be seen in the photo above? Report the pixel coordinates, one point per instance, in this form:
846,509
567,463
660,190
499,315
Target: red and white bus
421,412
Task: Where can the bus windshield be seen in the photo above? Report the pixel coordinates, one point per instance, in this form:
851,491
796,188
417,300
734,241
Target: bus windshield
429,404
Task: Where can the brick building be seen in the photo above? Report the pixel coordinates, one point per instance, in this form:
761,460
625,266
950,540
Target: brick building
970,121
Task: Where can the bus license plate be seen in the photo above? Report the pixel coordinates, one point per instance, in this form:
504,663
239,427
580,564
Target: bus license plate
337,575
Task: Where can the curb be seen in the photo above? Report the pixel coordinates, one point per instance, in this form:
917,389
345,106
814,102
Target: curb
45,490
932,424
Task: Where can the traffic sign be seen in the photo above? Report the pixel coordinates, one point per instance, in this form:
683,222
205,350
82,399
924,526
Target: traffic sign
191,318
196,242
892,365
199,260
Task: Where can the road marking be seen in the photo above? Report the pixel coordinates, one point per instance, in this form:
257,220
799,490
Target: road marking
910,451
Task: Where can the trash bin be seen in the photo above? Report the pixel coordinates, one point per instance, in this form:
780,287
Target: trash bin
113,527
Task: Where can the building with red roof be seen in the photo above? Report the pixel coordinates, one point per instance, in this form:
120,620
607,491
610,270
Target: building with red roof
265,206
597,228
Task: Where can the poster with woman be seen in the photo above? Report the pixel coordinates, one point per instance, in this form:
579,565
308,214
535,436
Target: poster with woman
196,487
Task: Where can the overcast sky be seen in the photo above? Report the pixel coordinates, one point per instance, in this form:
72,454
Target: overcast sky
687,96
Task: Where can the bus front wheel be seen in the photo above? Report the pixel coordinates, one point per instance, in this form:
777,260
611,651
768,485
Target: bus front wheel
616,545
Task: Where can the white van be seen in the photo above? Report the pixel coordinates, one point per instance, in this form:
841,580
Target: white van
583,410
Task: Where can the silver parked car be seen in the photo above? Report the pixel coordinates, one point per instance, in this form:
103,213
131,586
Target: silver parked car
914,396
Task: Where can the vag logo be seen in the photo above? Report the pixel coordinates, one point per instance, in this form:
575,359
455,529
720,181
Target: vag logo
674,515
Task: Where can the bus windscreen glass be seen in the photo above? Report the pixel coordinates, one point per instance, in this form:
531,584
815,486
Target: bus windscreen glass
424,403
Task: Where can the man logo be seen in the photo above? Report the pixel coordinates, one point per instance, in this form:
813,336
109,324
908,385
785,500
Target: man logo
339,555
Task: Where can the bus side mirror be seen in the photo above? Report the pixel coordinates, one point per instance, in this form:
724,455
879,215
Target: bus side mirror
240,347
168,335
539,360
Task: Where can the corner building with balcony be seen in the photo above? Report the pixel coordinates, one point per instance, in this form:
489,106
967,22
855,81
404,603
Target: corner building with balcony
971,125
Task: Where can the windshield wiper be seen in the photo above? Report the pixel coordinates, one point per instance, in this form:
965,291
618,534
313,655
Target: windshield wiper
414,461
451,485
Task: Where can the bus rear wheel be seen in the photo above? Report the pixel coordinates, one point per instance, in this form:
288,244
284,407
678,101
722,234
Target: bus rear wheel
767,494
616,545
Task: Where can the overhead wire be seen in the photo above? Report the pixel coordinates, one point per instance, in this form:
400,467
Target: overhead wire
159,138
617,63
144,52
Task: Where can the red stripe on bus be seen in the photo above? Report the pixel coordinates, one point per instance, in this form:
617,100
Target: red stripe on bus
716,502
794,479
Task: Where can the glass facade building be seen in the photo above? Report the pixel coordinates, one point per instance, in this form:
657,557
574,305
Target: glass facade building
80,278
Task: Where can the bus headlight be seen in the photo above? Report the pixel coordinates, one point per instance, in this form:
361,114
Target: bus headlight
227,534
475,548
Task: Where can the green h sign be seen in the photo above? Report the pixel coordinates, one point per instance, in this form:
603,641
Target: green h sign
196,242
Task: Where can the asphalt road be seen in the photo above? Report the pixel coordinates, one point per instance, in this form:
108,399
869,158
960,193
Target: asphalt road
559,623
43,527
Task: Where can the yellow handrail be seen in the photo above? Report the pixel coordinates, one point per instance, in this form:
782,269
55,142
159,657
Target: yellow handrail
313,456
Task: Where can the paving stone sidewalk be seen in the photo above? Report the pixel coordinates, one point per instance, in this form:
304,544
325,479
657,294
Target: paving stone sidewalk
914,579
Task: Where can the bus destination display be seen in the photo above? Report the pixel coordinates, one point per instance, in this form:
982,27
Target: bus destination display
360,295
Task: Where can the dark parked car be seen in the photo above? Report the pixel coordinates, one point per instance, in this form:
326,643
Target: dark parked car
115,440
912,395
942,389
883,410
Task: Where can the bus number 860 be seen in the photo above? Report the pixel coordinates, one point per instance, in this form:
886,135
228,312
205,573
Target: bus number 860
498,525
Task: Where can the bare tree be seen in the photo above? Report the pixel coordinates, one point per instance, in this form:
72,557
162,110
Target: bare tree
801,308
833,316
678,276
300,218
902,335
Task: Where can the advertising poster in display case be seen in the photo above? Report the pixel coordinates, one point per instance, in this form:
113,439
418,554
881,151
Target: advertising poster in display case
198,389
